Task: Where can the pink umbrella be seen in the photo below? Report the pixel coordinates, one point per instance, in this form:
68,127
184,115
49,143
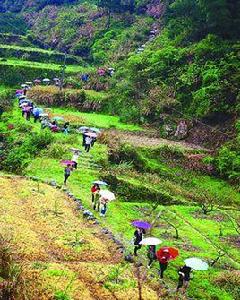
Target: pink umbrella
91,134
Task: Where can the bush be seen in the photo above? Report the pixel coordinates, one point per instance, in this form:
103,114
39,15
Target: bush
230,281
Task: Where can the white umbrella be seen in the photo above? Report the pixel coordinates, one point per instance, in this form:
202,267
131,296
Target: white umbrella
99,182
46,80
107,195
151,241
196,264
24,85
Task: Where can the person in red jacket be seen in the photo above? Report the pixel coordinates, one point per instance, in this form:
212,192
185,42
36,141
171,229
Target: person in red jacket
95,188
163,262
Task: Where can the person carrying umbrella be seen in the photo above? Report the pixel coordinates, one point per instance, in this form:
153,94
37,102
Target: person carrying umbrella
67,173
184,277
88,141
95,188
75,157
151,254
164,255
66,128
138,235
103,206
163,261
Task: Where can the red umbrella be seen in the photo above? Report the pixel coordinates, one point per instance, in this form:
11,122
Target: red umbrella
170,252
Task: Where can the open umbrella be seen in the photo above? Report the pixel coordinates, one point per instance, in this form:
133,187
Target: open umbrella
74,149
83,129
67,162
46,80
37,81
57,118
44,115
107,195
29,82
37,110
19,91
24,85
150,241
94,129
196,264
99,182
141,224
91,134
172,252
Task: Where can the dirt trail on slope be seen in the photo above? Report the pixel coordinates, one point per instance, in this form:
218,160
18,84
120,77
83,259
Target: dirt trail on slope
145,139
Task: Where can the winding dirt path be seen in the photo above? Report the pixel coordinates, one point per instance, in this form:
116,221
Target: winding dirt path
145,139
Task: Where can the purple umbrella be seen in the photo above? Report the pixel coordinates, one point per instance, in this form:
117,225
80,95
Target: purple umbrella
141,224
67,162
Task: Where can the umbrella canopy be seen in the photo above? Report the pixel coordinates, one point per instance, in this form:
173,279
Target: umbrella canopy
83,129
107,195
150,241
56,79
141,224
95,129
57,118
91,134
67,162
196,264
46,80
28,82
99,182
24,85
21,97
74,149
19,91
43,115
172,252
37,81
37,110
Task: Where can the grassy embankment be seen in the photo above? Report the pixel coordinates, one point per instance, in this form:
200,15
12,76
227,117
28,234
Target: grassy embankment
199,235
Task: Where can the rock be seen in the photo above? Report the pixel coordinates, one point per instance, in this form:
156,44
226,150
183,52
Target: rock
105,230
53,183
129,258
87,213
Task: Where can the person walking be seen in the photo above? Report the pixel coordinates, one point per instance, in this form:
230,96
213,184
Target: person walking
184,278
88,142
103,206
75,157
163,262
138,234
94,189
151,255
66,128
67,173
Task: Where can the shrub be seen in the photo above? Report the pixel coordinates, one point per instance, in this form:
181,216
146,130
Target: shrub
230,281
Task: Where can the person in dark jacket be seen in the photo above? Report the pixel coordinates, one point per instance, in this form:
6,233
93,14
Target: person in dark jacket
67,173
184,277
138,234
151,254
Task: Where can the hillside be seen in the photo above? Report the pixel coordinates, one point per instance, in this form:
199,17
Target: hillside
157,83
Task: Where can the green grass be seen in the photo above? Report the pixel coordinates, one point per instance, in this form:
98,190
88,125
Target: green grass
69,69
97,120
198,236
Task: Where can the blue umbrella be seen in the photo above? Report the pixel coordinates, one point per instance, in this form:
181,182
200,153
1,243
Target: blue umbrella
141,224
83,129
37,111
99,182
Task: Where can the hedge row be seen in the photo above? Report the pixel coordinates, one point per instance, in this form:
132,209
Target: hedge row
15,75
35,55
52,96
139,193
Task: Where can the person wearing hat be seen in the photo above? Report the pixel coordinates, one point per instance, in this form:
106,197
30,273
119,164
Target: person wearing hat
163,262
